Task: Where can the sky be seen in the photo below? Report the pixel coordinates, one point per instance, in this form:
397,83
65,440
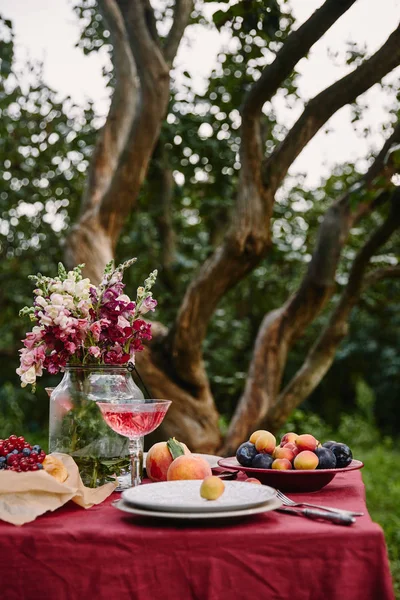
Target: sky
48,30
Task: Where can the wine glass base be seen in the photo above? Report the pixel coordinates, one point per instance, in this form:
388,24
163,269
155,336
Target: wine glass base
124,482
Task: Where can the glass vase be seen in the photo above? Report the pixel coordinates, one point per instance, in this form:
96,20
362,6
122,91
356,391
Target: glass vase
76,426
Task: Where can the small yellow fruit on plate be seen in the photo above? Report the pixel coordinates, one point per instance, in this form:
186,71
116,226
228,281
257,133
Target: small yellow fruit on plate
212,488
55,467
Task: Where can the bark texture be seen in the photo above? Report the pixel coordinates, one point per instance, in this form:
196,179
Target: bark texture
172,364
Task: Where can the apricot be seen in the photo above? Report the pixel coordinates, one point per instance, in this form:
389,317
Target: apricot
306,461
188,466
255,435
212,488
284,453
265,443
253,480
292,447
159,458
306,441
281,464
288,437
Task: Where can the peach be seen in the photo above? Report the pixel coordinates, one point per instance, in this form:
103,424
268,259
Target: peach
292,447
265,443
288,437
188,467
282,464
284,453
306,461
212,488
255,435
159,458
306,441
253,480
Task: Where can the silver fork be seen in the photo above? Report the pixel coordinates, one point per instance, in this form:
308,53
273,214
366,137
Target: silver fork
288,502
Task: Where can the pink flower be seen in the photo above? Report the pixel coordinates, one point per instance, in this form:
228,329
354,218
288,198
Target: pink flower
95,329
148,304
122,322
94,351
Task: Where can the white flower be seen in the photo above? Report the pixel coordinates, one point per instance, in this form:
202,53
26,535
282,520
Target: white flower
40,301
57,299
69,286
82,288
123,298
28,377
44,319
56,286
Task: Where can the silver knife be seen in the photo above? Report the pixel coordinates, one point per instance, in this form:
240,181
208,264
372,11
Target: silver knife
337,518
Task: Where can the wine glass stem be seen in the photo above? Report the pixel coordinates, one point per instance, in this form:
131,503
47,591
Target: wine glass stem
136,456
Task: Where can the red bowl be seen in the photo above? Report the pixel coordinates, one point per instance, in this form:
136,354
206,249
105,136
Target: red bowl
292,480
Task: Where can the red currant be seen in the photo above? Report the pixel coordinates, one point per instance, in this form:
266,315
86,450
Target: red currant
34,454
31,461
34,468
13,438
25,467
21,440
41,458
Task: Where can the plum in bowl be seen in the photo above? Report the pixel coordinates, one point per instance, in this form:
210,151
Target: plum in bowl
291,480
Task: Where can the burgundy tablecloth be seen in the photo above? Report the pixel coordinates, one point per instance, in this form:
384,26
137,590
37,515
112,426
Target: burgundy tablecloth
101,553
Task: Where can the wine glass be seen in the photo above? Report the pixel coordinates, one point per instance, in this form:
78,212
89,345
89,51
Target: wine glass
134,419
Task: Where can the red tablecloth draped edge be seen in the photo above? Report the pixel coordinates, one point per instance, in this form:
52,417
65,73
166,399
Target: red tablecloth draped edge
102,554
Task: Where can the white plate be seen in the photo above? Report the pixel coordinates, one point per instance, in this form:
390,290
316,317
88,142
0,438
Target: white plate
184,496
272,504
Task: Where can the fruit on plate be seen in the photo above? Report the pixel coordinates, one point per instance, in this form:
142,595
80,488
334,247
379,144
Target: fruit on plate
253,480
16,454
188,466
306,460
281,464
245,454
265,443
161,455
306,441
284,452
293,448
255,435
300,452
289,437
328,444
343,454
55,467
326,458
212,488
262,461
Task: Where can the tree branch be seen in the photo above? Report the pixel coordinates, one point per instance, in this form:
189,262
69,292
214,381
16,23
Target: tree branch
182,12
295,47
280,328
322,354
319,110
112,137
379,274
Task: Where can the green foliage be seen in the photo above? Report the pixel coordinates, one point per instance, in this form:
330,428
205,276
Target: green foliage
45,148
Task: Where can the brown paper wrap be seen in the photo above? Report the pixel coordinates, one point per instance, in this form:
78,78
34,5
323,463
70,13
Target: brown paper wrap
25,496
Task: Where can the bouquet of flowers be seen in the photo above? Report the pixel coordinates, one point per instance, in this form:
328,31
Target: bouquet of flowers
79,323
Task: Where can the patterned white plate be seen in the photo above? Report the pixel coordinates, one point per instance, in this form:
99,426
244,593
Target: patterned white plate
184,496
272,504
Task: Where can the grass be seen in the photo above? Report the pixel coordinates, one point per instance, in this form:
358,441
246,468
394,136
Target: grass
383,498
